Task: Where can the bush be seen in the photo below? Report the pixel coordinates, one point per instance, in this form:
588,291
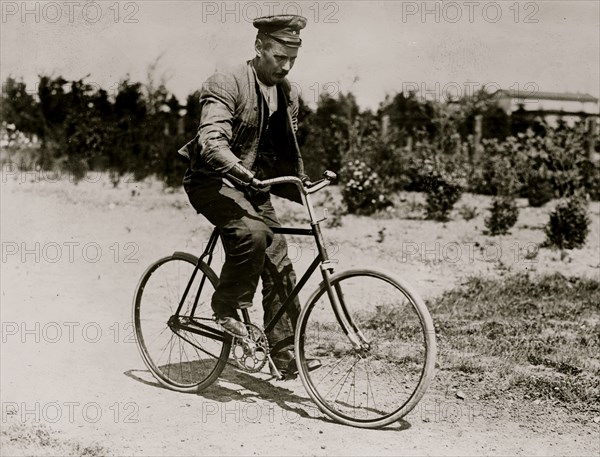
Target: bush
363,191
503,215
549,164
443,189
569,223
497,169
558,161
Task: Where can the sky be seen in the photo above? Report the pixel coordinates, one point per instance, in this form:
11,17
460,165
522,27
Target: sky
370,48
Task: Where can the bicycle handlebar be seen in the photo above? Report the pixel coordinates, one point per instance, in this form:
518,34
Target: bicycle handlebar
313,187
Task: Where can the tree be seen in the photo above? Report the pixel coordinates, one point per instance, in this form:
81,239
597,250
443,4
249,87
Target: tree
408,115
495,121
336,126
53,102
19,108
191,120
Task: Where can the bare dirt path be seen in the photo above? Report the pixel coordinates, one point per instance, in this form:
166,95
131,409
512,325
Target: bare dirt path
71,258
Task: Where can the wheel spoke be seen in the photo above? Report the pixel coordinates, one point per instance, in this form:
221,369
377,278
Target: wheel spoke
342,385
333,368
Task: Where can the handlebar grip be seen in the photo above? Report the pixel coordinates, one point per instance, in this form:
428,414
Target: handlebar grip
329,175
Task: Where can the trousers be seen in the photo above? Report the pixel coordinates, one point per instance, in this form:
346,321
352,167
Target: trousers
252,251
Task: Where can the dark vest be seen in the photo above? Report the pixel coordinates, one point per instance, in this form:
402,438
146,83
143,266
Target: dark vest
273,144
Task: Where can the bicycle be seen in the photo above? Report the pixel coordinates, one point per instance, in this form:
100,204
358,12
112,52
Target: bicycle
360,319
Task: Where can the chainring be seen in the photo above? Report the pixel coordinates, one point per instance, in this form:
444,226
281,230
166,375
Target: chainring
251,353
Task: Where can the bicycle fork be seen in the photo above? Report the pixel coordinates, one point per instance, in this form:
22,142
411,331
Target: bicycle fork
336,297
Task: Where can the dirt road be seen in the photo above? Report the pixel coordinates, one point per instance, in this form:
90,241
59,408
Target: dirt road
72,255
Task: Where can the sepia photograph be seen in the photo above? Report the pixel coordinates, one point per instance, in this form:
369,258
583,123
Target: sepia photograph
300,228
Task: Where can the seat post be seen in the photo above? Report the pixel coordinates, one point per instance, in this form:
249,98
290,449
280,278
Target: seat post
210,247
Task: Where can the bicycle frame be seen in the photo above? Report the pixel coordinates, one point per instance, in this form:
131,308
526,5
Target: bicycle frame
321,260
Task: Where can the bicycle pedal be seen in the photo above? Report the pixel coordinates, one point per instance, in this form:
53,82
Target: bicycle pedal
290,377
244,306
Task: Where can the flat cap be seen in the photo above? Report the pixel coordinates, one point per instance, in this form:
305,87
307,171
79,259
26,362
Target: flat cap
283,28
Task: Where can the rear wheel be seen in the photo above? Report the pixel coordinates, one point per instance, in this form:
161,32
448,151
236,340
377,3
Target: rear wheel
379,384
184,352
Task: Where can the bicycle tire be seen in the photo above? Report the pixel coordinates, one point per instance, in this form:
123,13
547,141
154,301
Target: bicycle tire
395,321
155,302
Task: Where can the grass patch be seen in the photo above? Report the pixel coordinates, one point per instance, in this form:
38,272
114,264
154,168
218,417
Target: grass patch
549,296
469,365
566,389
23,438
539,336
521,336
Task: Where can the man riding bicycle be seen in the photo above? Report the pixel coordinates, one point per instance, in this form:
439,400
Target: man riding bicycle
247,131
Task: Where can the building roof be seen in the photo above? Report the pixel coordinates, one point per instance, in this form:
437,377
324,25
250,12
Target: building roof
535,95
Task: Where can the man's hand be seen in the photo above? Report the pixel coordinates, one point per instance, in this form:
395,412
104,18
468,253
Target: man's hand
241,175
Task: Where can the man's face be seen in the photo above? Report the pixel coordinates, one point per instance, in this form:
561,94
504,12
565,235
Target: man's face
274,63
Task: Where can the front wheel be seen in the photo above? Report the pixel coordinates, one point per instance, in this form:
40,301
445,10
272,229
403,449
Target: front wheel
383,381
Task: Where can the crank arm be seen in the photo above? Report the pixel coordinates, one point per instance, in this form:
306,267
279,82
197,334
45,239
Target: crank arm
274,369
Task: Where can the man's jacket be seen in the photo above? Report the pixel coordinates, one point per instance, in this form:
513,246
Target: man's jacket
231,120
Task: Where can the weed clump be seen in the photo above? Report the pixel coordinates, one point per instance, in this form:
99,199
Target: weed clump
503,215
443,189
566,389
468,212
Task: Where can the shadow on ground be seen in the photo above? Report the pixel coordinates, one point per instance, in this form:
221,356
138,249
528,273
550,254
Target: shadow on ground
247,388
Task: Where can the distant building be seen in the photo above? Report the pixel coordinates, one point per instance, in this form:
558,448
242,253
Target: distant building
551,106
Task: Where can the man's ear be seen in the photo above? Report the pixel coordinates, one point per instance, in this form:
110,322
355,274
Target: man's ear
258,47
